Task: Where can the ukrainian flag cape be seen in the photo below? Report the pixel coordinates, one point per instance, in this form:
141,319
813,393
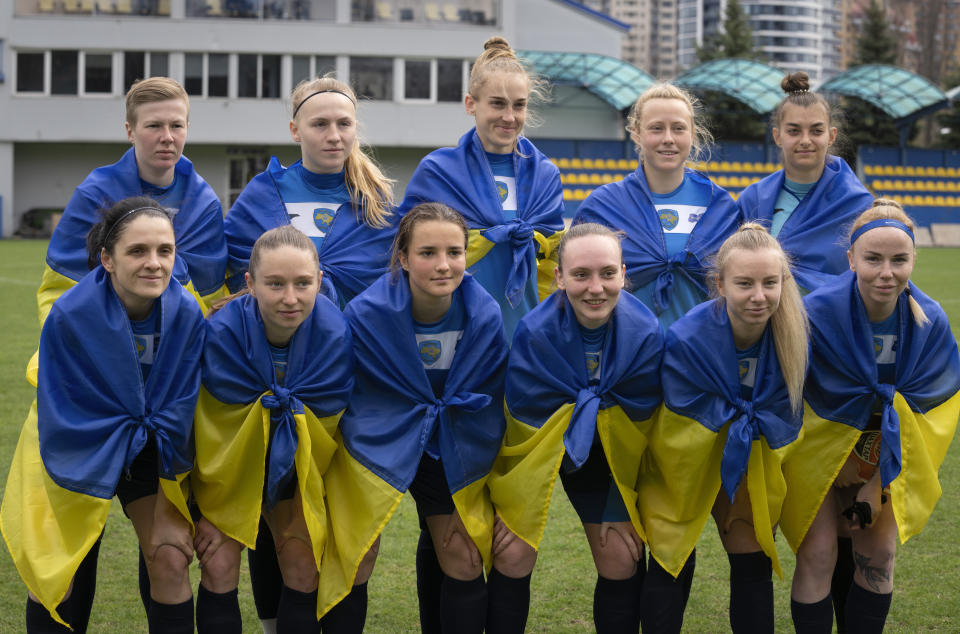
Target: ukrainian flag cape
706,436
91,418
811,233
242,401
552,408
393,413
628,206
353,254
201,249
919,411
461,178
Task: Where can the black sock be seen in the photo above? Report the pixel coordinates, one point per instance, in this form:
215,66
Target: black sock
297,612
812,618
508,603
429,578
176,618
39,620
218,613
348,616
615,606
842,578
143,580
751,592
866,611
463,605
663,598
84,590
265,577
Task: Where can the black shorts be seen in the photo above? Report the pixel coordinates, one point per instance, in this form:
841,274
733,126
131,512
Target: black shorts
592,490
142,478
288,488
430,490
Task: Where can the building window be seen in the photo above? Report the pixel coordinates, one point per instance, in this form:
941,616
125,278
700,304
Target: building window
30,73
241,169
218,72
372,77
63,68
258,76
193,74
449,80
97,73
306,67
416,80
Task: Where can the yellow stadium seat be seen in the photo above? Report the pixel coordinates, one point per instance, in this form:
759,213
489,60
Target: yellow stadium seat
898,170
759,167
770,168
725,166
929,200
567,194
953,172
868,170
588,164
623,164
606,178
735,195
563,163
877,184
941,186
736,166
953,186
595,179
576,164
941,172
940,201
721,181
910,170
563,178
887,170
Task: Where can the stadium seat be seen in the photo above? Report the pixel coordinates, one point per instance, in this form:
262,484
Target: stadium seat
898,170
941,172
725,166
563,163
953,172
770,168
567,194
868,170
595,179
588,164
606,179
576,164
910,170
736,166
623,164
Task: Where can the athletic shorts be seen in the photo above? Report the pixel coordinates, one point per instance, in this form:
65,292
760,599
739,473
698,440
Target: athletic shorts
592,490
290,486
430,490
142,478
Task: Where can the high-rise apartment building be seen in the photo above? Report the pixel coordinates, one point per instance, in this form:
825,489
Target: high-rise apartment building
651,43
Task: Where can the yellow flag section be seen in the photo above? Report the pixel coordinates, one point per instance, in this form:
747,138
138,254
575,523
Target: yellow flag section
48,529
230,468
478,246
824,445
523,477
680,481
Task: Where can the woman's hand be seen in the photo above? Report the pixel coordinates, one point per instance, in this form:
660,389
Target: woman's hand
627,533
502,536
209,538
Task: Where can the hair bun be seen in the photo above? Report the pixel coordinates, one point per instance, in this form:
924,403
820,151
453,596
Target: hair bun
795,82
497,42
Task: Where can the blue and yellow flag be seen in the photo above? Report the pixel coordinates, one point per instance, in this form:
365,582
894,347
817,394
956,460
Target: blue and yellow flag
810,233
392,414
461,178
628,206
242,401
353,254
919,411
707,436
553,409
93,415
201,248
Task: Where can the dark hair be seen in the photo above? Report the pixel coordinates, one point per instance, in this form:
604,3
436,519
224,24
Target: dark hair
797,87
424,212
104,234
584,229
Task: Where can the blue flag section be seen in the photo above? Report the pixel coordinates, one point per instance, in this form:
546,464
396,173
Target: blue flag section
353,254
628,206
919,410
553,409
708,436
813,234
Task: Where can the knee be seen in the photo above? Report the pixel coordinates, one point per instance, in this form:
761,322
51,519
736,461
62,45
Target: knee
222,572
817,555
168,567
460,560
297,565
516,560
614,559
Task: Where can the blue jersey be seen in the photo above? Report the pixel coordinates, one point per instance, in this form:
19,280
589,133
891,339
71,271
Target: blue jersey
747,365
505,177
146,337
169,197
312,200
885,346
790,196
593,349
279,357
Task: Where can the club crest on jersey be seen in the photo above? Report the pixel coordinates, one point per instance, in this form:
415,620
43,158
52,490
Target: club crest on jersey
744,368
877,346
502,190
322,218
669,218
593,362
141,345
430,351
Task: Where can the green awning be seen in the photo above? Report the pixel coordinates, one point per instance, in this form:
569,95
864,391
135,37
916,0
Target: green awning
613,80
754,83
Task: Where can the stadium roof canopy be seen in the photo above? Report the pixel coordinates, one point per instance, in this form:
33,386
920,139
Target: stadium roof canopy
901,94
954,95
754,83
617,82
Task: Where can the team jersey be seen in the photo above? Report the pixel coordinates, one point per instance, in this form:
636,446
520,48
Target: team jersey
790,196
312,200
505,177
146,336
169,197
279,358
747,363
593,349
885,346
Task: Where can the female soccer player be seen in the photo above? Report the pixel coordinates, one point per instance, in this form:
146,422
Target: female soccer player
116,390
732,379
674,218
505,188
883,407
816,196
582,383
158,112
335,194
277,371
426,415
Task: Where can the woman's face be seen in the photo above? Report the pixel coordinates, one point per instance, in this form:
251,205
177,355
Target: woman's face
500,110
285,286
158,137
751,283
140,262
592,276
665,135
326,129
804,135
883,260
435,260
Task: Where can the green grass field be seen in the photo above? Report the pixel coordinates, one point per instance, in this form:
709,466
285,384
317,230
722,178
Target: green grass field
927,596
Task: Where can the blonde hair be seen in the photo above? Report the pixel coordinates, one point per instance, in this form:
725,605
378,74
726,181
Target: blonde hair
583,229
886,209
151,90
369,188
498,57
702,137
791,330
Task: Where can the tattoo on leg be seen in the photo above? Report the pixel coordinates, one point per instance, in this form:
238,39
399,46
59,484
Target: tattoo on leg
874,575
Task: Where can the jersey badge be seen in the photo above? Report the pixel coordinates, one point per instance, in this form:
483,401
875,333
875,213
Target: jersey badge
502,190
669,219
430,351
